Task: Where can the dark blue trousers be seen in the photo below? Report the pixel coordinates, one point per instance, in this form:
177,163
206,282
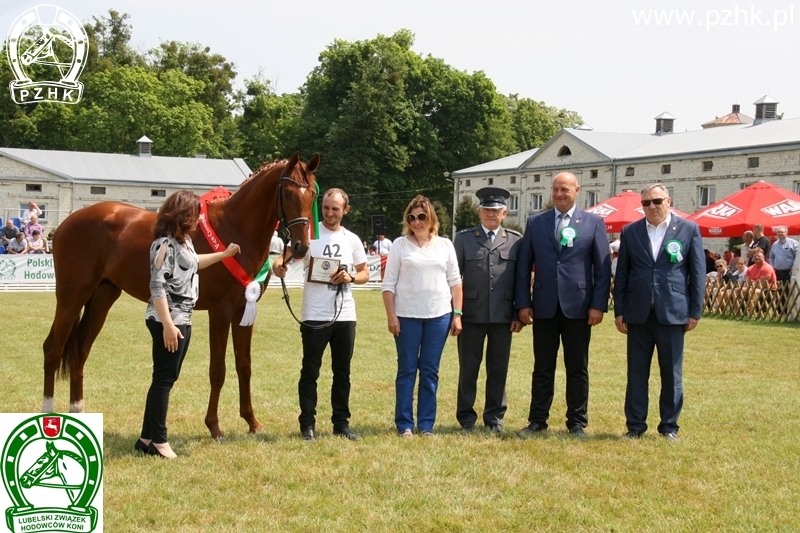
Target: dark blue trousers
643,339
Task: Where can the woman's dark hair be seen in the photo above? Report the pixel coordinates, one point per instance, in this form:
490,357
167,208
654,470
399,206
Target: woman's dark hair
178,215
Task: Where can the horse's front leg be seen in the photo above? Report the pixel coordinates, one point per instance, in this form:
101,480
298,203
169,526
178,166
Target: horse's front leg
242,341
218,325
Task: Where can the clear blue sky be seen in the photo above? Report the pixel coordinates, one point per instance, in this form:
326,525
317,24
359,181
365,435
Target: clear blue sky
588,56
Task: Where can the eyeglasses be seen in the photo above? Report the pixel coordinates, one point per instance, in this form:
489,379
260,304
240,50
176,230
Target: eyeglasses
422,217
655,201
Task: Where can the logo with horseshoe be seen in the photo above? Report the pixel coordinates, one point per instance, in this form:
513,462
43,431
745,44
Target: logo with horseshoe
52,468
47,48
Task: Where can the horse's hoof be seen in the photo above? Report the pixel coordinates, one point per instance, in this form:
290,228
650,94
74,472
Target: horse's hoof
258,430
220,440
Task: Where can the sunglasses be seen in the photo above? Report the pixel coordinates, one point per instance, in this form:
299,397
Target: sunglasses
422,217
654,201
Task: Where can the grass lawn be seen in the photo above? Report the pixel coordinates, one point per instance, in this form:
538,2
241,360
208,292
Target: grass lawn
736,467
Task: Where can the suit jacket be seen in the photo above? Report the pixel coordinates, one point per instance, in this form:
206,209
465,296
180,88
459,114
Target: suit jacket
577,277
676,289
487,269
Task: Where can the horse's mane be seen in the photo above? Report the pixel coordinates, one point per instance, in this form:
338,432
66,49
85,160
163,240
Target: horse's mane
263,168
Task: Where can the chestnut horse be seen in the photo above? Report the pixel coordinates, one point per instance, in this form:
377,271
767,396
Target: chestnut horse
91,278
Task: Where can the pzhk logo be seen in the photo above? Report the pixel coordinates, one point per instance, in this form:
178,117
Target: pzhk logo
7,269
47,49
52,467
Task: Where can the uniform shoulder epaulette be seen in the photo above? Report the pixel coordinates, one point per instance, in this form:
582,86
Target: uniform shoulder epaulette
515,232
467,230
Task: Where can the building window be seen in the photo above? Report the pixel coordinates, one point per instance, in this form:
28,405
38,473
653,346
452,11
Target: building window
513,180
98,190
705,196
629,171
708,165
746,184
33,187
536,202
513,203
490,181
591,198
537,178
752,162
158,192
671,194
42,208
564,151
466,183
666,169
797,187
593,174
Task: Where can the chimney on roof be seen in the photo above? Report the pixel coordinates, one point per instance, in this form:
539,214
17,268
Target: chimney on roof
766,109
735,108
145,146
664,123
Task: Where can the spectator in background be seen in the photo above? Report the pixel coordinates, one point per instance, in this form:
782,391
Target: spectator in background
748,243
383,245
711,260
31,226
33,209
740,272
18,245
760,241
760,277
373,250
8,233
729,259
36,244
782,254
613,248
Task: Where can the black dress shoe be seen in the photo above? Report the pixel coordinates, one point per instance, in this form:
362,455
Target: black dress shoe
345,431
308,433
533,427
141,446
670,436
495,428
468,428
633,435
577,431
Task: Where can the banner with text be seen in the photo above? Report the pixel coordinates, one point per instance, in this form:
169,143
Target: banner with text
32,269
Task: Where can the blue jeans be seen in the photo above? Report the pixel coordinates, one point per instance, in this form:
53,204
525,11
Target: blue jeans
419,347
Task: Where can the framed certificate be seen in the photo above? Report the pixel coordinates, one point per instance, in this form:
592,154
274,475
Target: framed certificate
321,269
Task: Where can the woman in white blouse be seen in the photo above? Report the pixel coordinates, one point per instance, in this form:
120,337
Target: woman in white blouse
422,295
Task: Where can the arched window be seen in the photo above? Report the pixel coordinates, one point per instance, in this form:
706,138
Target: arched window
564,150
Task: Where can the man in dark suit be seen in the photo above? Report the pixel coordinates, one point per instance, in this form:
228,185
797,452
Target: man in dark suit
569,250
487,256
658,297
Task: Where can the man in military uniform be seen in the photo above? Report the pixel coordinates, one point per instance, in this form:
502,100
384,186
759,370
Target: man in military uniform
487,256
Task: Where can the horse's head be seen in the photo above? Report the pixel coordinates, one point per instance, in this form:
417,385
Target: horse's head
296,197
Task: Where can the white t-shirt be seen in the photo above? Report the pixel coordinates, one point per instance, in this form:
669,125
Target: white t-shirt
383,246
318,298
420,278
276,245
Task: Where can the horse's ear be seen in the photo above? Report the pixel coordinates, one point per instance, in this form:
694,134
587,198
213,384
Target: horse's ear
313,164
292,162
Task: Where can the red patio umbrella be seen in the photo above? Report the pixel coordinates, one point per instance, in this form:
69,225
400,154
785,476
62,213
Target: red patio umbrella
623,209
760,203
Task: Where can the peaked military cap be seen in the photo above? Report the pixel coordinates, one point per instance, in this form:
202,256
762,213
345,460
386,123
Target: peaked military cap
492,197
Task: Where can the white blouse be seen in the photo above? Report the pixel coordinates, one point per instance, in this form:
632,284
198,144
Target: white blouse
421,278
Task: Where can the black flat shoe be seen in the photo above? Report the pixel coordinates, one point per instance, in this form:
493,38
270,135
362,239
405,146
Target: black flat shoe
152,450
141,446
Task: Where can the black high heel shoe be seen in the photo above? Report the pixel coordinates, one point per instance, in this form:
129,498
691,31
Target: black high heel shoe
141,446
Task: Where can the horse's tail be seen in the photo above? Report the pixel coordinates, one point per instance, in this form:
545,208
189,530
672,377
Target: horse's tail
71,350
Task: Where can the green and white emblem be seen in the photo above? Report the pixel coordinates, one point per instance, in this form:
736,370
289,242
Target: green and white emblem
52,468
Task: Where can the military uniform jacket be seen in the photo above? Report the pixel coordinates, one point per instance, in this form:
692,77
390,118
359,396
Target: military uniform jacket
487,270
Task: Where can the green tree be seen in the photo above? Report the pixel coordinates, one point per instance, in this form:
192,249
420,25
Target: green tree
466,214
534,123
388,123
268,125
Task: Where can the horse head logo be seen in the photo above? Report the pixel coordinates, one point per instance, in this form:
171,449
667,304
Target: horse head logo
49,44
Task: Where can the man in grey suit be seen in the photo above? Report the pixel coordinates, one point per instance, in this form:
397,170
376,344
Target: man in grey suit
658,297
569,249
487,256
